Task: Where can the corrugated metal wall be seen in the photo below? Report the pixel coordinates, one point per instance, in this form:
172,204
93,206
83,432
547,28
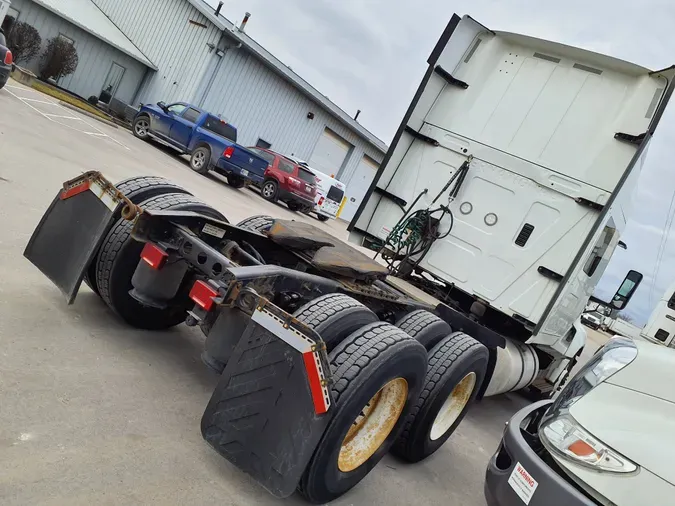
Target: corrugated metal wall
263,105
162,30
95,56
257,100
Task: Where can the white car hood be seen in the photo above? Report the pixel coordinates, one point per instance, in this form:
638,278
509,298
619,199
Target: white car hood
652,372
639,426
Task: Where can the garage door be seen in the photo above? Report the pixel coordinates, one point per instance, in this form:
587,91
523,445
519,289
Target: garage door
358,185
330,153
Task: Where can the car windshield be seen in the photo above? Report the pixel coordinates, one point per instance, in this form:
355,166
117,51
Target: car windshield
220,127
306,176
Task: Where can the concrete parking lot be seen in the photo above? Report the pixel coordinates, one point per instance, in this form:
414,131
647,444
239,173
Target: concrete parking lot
95,412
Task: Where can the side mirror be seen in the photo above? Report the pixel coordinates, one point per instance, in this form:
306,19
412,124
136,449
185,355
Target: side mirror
626,290
162,106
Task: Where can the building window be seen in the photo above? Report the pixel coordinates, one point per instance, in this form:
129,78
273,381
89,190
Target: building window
263,144
65,38
13,13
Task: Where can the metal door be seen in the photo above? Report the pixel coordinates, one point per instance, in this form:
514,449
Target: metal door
358,186
330,153
112,82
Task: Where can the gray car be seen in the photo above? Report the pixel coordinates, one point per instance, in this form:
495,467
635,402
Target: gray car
5,60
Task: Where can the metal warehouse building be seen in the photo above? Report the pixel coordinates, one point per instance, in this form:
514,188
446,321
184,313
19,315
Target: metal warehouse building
145,51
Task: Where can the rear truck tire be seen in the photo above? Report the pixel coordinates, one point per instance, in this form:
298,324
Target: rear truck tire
259,223
378,372
236,181
119,256
293,206
270,190
321,217
141,127
200,160
137,189
427,328
334,317
457,367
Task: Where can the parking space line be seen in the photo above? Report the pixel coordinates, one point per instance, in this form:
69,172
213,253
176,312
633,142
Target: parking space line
38,101
21,88
51,117
64,117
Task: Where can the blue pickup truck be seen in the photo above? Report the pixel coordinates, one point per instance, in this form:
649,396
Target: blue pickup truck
210,141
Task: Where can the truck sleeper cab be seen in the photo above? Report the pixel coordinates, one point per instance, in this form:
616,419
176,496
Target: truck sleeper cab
513,167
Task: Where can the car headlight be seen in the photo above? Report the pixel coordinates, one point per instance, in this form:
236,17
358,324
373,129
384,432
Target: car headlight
562,435
565,437
608,360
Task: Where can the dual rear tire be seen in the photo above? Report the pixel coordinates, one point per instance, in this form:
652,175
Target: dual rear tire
378,372
111,272
381,368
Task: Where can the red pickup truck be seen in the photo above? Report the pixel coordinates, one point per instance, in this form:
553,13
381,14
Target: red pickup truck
287,181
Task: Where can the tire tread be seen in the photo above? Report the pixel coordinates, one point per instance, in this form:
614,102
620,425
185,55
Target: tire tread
120,234
440,359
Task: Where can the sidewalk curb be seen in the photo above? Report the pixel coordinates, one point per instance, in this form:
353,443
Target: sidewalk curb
87,113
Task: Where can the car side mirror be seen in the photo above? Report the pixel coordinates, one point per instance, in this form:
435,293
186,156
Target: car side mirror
162,106
626,290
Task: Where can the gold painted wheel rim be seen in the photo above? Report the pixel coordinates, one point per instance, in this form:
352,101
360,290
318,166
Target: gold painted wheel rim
373,425
453,406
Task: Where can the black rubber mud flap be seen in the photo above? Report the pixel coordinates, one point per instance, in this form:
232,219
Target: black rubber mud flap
267,414
71,231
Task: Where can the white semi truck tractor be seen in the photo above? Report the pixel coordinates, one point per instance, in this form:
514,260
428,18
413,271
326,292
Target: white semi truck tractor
506,189
496,210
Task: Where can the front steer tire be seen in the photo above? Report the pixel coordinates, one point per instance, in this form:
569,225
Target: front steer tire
366,362
334,317
119,256
141,127
454,358
137,189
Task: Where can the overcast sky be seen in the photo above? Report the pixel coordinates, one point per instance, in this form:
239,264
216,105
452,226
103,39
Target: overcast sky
371,54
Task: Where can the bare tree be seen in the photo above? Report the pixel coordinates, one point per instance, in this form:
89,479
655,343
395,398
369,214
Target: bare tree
24,42
59,59
626,317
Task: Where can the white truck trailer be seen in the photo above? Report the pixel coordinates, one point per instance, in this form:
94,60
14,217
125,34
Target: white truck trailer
496,209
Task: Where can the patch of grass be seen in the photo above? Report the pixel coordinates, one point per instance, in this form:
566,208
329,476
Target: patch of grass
69,99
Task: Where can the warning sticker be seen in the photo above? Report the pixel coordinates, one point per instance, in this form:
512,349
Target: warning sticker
523,484
214,231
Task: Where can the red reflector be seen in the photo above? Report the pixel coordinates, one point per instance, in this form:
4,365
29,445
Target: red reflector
8,58
321,200
75,190
202,294
320,404
229,151
154,256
